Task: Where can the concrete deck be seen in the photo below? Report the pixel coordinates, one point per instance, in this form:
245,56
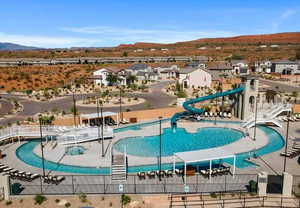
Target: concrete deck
272,163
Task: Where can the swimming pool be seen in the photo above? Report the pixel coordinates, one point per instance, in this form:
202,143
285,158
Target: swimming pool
181,141
26,154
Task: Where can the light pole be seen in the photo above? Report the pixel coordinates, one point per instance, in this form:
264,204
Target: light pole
286,141
42,145
160,147
98,116
256,105
74,109
121,114
102,123
216,112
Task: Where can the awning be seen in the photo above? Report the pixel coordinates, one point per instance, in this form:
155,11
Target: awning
96,115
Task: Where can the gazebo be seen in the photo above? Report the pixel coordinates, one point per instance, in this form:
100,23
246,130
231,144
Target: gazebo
203,155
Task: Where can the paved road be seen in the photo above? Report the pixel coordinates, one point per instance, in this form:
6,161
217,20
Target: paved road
6,107
155,99
277,86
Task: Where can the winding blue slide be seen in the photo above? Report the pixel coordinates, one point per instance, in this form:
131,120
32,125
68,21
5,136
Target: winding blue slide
191,110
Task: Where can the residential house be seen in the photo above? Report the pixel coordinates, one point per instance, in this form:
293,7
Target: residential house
194,77
240,67
167,71
263,66
135,68
285,67
223,68
196,64
100,76
149,76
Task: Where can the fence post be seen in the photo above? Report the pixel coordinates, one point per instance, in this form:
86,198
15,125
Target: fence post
73,189
164,185
197,183
104,184
225,182
41,184
134,184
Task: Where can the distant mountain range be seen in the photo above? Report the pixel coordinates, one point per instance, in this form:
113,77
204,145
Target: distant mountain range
277,38
15,47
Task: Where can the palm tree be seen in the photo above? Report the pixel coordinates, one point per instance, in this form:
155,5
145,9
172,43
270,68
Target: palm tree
295,95
270,95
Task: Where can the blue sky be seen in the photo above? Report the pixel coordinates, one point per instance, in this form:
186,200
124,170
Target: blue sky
66,23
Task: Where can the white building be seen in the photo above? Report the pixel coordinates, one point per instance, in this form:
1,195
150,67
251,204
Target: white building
240,67
285,67
167,71
263,66
100,76
194,77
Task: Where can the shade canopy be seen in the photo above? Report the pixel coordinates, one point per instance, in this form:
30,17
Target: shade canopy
204,155
96,115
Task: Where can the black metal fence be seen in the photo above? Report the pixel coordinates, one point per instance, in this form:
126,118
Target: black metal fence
296,184
102,184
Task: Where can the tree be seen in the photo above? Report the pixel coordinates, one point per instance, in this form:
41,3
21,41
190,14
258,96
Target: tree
125,54
295,95
298,53
47,120
74,110
270,95
131,79
112,79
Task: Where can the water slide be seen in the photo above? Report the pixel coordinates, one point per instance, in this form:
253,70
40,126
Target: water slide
191,110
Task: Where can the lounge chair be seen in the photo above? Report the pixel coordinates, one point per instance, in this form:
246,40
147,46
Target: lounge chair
229,115
225,115
7,169
210,114
34,176
206,114
160,173
57,179
151,174
169,172
141,175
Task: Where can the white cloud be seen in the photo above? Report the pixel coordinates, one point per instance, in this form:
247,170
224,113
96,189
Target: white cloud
125,35
46,41
282,17
288,13
110,36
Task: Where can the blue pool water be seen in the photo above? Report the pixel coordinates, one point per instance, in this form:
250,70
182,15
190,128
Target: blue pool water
26,154
180,141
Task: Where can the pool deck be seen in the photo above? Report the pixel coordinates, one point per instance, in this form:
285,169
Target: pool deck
94,148
272,163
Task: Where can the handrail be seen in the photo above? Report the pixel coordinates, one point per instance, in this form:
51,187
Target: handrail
182,200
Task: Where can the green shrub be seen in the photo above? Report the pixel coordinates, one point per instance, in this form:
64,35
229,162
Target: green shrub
125,199
83,198
39,199
213,195
252,186
68,204
57,200
8,203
